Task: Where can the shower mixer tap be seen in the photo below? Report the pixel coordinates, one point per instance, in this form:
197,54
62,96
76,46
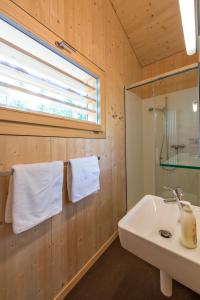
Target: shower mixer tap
181,146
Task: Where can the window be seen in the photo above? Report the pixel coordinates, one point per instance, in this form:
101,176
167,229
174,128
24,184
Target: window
47,86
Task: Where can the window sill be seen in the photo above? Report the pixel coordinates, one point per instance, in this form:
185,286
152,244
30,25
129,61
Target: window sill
21,129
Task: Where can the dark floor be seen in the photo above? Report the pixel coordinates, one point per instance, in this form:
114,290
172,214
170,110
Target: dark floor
119,275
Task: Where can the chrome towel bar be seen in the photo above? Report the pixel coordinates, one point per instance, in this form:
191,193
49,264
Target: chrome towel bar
9,173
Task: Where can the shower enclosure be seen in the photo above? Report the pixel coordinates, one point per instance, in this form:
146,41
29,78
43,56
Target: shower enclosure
177,160
170,134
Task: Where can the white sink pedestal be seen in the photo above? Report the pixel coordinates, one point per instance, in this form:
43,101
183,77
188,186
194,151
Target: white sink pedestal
165,284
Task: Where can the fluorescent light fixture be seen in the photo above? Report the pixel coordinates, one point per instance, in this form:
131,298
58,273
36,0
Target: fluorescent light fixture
187,9
194,106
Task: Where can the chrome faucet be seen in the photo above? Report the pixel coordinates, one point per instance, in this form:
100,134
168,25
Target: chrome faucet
178,196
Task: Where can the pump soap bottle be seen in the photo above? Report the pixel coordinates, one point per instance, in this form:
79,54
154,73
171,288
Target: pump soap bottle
188,226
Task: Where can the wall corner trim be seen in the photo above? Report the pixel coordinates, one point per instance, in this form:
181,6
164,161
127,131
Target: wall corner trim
69,286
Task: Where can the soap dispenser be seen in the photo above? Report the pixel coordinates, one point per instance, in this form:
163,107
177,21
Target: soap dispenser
188,226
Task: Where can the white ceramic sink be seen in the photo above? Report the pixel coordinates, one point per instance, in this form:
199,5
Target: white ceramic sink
139,234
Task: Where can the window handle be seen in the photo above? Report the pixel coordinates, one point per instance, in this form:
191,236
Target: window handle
65,45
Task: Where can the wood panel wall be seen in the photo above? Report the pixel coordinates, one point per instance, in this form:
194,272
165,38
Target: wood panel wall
172,84
38,263
168,64
167,85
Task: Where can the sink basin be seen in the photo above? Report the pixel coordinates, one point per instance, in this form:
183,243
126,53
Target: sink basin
139,234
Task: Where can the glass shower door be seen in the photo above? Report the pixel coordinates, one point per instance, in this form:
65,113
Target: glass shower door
176,117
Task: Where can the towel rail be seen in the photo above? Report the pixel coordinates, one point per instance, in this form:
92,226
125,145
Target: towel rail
9,173
6,173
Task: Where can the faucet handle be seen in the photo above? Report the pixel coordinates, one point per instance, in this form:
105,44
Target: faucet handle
177,192
173,190
180,194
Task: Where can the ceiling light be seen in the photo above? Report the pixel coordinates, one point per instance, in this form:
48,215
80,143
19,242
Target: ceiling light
187,9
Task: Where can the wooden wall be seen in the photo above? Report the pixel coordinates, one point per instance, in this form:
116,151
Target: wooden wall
167,85
168,64
40,262
171,84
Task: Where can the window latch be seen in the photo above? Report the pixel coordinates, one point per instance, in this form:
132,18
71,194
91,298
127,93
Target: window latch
65,45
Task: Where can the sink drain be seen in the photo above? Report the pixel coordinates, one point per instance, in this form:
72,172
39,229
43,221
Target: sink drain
165,233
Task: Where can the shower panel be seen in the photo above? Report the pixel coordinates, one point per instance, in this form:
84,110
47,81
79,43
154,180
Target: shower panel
170,126
179,163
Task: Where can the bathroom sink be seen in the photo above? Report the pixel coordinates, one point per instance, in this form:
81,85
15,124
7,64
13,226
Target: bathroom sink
139,234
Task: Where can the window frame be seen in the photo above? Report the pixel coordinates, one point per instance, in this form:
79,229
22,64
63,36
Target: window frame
32,123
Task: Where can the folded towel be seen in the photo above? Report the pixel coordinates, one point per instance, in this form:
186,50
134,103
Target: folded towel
35,194
82,177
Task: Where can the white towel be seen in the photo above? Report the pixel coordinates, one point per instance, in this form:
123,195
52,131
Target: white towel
82,177
35,194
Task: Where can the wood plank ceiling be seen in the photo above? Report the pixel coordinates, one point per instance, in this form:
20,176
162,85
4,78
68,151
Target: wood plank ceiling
152,26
